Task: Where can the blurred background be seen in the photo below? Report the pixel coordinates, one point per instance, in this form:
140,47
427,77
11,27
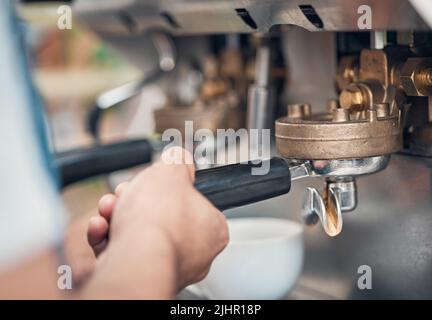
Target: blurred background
71,68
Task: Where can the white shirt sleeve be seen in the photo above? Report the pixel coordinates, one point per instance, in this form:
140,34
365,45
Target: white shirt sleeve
31,214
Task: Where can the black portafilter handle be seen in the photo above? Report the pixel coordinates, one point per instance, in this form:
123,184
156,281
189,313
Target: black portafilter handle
235,185
225,186
79,164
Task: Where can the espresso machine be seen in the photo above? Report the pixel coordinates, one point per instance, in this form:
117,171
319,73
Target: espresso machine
345,88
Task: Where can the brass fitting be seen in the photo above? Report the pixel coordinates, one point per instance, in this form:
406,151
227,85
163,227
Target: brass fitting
352,96
360,96
416,77
298,111
348,71
340,115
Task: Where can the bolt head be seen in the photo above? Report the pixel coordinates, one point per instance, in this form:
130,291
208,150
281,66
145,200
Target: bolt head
351,96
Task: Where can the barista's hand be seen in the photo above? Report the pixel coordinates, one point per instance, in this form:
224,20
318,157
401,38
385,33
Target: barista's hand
98,227
163,198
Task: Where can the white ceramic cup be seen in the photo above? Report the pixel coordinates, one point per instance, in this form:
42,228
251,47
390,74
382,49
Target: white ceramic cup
262,261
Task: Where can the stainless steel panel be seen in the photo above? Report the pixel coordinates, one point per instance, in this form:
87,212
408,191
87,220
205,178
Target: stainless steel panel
209,16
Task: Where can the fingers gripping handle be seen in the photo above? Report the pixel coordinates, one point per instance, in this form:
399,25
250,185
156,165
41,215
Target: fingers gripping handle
235,185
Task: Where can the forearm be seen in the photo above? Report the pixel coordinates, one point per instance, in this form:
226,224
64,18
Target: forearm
144,270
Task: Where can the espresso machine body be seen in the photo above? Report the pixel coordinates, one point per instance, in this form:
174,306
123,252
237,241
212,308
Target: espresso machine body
376,75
